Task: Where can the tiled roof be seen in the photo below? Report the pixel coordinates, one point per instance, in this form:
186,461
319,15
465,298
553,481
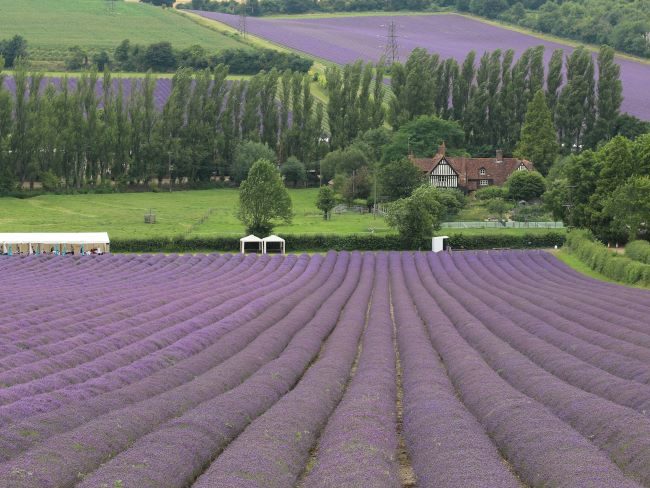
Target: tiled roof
497,170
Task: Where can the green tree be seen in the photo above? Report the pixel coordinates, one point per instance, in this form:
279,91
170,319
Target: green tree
417,217
576,105
293,171
263,199
422,136
525,185
554,78
610,96
12,50
538,141
398,179
159,57
245,155
326,201
629,206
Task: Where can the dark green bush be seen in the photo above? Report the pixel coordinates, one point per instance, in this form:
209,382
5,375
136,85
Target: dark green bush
639,251
298,243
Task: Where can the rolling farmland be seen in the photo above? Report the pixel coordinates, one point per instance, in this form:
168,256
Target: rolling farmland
52,27
499,369
346,39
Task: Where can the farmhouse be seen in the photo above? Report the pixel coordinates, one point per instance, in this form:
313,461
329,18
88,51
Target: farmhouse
469,174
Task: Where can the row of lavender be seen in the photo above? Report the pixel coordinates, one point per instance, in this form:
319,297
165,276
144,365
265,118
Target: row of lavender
229,371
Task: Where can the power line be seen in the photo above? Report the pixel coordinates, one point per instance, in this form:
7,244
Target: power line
391,51
242,18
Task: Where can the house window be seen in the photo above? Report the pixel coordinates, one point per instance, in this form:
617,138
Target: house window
482,172
522,168
484,182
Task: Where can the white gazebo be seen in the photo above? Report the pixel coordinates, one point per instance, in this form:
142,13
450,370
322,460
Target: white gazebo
274,241
254,244
55,243
438,243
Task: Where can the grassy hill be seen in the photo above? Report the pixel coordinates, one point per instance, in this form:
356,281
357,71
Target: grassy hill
51,27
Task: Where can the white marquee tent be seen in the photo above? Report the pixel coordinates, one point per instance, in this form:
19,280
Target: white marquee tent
254,241
273,239
38,242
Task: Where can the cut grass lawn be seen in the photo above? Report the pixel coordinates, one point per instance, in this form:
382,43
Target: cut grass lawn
51,27
177,213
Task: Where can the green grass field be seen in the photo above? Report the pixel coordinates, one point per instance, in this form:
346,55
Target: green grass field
53,26
122,215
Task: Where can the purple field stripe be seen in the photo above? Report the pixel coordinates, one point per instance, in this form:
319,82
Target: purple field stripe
542,449
588,358
185,338
57,461
358,446
597,326
447,446
186,445
284,434
182,376
618,431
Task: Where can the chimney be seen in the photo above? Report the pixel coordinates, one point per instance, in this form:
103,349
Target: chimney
442,149
499,155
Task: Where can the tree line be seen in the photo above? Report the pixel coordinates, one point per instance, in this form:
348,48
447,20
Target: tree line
488,97
78,136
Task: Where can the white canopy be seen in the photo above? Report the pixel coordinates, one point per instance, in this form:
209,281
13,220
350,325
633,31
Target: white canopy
250,239
273,239
55,238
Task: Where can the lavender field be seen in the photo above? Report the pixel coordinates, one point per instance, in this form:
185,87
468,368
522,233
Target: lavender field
346,39
488,369
161,93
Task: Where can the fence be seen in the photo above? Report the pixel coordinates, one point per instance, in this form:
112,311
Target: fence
502,225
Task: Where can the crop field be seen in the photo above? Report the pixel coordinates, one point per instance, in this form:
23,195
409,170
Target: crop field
345,39
162,90
490,369
52,27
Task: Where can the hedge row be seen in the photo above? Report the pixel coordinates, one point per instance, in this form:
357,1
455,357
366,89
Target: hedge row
639,251
601,259
297,243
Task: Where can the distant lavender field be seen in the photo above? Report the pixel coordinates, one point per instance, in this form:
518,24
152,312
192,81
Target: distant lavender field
346,39
161,92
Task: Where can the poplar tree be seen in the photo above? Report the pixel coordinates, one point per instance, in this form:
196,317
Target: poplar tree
575,116
538,141
610,96
554,78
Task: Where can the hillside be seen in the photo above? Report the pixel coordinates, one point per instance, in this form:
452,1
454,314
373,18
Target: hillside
52,27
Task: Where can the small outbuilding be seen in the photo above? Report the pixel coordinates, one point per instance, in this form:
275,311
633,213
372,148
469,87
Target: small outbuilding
438,243
250,243
273,244
54,243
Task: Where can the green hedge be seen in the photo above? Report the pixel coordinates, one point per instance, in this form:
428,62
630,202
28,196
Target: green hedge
639,251
601,259
297,243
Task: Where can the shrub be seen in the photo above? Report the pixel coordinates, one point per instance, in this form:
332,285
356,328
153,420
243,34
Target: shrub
599,258
638,251
490,192
351,242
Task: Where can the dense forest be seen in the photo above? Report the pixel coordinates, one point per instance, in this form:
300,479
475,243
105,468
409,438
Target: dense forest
624,25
